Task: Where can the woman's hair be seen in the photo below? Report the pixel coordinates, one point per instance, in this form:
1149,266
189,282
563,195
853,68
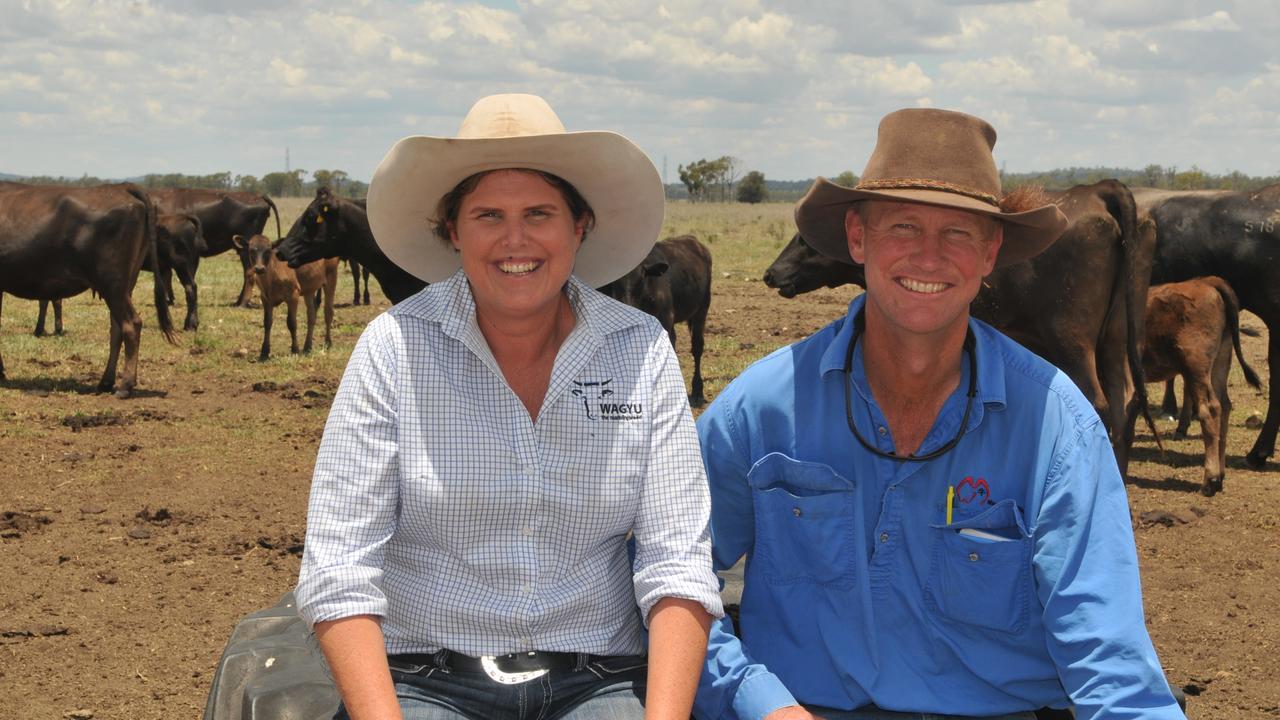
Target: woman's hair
448,207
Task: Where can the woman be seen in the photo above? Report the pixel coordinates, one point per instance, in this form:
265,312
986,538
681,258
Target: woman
498,435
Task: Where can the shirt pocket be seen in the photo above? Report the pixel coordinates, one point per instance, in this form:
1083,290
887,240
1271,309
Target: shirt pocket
983,578
805,529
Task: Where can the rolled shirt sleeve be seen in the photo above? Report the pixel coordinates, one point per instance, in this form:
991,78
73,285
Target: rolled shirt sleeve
354,488
1086,567
673,543
733,685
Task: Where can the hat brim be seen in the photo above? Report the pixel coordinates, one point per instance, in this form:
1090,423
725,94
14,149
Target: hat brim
614,176
820,219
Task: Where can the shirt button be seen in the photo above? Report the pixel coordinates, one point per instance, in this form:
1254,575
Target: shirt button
527,532
884,537
526,588
882,430
973,557
796,511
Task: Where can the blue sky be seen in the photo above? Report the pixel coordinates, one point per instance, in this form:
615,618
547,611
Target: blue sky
793,89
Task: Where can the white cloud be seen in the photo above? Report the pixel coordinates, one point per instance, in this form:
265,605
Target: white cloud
794,88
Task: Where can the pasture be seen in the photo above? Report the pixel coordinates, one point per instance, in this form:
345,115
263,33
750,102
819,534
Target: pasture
136,533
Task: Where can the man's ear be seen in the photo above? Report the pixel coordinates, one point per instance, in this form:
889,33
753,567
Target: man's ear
993,248
855,234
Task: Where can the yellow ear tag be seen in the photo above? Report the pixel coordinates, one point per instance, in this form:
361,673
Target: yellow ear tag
319,219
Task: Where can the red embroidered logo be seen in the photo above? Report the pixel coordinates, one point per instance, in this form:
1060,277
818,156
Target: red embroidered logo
972,489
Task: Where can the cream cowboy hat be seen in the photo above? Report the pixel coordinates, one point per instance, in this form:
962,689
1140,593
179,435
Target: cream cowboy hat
934,157
517,131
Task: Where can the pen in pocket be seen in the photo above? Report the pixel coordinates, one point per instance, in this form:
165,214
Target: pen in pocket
951,501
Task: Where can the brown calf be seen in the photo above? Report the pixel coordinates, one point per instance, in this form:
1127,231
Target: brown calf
1192,327
279,283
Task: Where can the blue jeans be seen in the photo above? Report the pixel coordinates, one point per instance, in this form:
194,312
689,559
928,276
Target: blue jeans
878,714
609,689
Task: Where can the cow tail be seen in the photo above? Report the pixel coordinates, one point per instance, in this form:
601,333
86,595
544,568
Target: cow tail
1232,304
161,298
1121,206
272,205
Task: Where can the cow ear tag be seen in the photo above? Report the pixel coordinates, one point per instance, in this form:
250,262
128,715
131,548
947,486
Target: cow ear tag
319,219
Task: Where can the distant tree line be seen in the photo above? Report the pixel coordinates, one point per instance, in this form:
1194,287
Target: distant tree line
278,184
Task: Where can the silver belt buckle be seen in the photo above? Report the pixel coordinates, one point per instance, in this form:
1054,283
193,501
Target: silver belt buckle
490,667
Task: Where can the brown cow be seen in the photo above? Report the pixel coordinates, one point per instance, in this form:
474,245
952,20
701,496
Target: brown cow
56,242
281,284
1192,327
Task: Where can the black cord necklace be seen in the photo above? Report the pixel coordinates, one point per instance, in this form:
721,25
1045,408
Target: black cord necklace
964,421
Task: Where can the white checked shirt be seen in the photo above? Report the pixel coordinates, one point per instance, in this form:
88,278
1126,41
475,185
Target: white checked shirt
438,504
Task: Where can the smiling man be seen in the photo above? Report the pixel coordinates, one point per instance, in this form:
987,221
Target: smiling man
932,516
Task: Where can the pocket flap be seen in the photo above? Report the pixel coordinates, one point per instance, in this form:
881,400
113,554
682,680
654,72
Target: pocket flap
798,476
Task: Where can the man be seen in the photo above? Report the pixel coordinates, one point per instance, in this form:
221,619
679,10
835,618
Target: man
932,516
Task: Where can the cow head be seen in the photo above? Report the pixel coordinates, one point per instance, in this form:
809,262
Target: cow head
801,269
638,287
309,238
259,249
591,392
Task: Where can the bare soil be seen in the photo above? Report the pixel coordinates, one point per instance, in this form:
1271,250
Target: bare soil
136,533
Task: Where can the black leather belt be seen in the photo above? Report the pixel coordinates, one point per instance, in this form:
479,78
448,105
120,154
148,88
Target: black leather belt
509,669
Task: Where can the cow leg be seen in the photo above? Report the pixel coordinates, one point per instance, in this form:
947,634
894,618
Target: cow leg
1169,406
1184,417
1265,445
1,358
189,289
44,309
697,332
1209,412
330,288
291,320
126,330
167,276
268,311
355,281
57,317
365,272
310,302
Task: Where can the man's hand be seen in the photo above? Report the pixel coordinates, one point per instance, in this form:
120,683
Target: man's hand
791,712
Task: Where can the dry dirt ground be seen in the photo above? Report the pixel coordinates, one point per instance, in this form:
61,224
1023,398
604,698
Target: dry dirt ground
135,533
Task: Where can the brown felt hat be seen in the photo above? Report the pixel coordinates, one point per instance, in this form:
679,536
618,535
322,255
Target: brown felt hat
933,157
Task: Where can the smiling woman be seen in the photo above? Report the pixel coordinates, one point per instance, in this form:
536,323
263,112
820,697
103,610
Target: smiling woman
470,508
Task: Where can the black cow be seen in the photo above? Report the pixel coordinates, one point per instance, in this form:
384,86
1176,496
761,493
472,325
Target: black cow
1080,304
673,284
222,215
1236,236
179,245
357,271
56,242
332,226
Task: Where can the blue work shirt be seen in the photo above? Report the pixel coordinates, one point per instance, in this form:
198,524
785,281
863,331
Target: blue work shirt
858,591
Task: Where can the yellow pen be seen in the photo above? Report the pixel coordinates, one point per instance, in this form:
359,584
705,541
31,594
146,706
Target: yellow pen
951,500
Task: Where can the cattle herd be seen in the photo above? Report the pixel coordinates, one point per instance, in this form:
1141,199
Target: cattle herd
1145,284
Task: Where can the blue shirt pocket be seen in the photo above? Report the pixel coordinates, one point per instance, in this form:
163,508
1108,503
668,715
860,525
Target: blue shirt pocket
983,579
805,522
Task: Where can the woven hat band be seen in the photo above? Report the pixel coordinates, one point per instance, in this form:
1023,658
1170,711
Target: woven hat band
926,184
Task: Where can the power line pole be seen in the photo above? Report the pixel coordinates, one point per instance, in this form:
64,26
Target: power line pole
287,169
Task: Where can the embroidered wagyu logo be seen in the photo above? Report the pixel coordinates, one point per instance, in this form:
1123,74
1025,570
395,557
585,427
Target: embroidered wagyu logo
971,490
591,393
